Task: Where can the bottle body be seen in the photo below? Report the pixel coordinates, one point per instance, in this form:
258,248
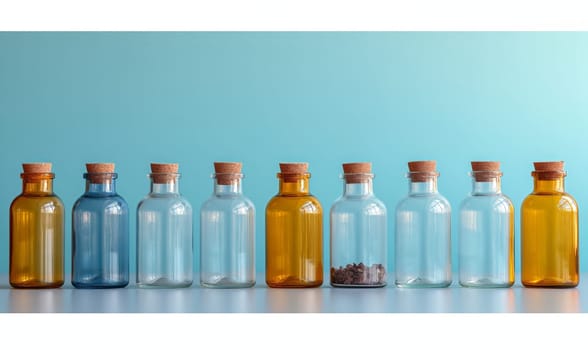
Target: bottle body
486,239
227,239
358,238
294,237
100,239
549,236
423,237
164,239
37,236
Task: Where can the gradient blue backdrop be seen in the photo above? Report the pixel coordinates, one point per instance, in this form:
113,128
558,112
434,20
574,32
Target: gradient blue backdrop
263,98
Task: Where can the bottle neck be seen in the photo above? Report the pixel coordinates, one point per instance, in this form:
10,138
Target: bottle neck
37,184
488,186
165,183
227,189
422,187
101,183
294,184
358,189
548,185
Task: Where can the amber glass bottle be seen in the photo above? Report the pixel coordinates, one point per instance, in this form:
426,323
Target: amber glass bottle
549,231
294,232
36,231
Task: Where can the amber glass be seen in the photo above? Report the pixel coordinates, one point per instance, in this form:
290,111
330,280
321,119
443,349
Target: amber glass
549,236
36,234
294,235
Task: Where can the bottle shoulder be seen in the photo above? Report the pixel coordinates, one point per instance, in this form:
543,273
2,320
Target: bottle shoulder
158,202
31,201
369,204
562,200
215,202
497,202
86,202
307,203
434,202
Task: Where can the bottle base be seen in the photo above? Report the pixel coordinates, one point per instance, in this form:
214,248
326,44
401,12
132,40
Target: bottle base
422,283
100,285
485,283
549,283
375,285
164,283
227,284
36,285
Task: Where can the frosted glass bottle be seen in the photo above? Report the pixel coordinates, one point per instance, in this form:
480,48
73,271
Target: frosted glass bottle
164,232
549,231
36,231
486,231
227,232
294,232
358,234
100,232
423,231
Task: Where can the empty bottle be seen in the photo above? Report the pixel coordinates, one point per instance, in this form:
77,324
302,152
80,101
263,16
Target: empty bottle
358,231
549,231
227,232
36,231
100,232
164,232
486,231
423,231
294,232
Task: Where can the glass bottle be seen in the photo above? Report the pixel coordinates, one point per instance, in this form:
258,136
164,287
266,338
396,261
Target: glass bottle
100,232
358,231
486,231
164,232
227,232
423,231
294,232
549,231
36,231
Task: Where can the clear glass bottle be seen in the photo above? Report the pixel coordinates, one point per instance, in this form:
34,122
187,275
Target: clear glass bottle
358,231
423,231
36,231
294,232
100,232
164,232
486,231
549,231
227,232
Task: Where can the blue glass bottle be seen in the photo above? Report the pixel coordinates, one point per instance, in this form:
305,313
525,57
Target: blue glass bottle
100,232
164,232
423,231
486,231
227,232
358,232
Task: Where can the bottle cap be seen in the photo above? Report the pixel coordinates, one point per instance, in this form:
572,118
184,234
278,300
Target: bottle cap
485,171
36,168
421,171
100,172
291,172
549,170
164,172
357,172
227,172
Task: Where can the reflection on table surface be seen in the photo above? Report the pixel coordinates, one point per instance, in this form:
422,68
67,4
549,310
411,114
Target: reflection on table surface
262,299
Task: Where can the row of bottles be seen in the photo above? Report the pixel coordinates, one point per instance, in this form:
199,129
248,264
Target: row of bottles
358,232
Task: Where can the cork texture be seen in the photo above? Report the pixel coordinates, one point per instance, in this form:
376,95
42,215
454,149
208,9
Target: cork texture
35,168
100,172
485,171
164,172
357,172
549,170
420,171
227,172
291,171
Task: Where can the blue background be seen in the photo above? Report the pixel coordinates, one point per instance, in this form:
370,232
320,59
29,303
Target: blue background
264,98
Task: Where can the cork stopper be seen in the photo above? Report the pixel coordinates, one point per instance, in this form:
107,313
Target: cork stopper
36,168
357,172
421,171
291,171
100,172
549,170
227,172
164,172
485,171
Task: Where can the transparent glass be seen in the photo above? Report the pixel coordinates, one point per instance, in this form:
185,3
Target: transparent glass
36,235
549,236
100,235
227,238
423,236
486,236
164,237
358,236
294,235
